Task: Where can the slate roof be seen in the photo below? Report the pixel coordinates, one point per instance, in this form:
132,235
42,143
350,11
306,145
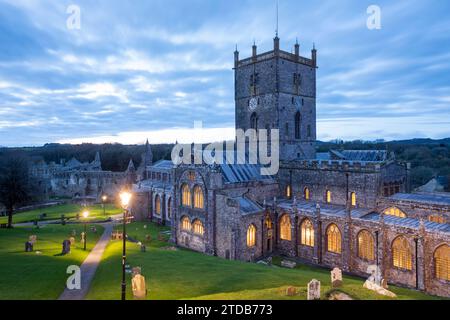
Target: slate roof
248,206
362,155
430,198
163,164
408,222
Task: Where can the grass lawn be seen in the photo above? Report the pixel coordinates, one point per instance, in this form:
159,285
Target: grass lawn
34,276
184,274
69,211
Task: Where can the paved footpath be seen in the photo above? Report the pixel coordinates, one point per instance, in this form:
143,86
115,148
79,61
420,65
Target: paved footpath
89,267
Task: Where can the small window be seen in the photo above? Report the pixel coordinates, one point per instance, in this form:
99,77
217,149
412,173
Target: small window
186,200
306,193
198,198
307,233
251,236
186,224
442,262
328,196
396,212
366,246
334,239
436,218
285,228
288,192
158,205
401,254
353,199
198,227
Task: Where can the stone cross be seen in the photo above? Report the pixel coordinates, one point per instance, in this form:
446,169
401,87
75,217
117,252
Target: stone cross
336,278
314,290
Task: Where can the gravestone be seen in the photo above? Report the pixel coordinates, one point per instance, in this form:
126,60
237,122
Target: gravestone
145,226
73,233
66,247
384,284
28,246
32,239
375,283
291,291
288,264
139,287
269,261
148,237
314,290
161,238
83,237
63,220
143,248
94,229
72,241
336,278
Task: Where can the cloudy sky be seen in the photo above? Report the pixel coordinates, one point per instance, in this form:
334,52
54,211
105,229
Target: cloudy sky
149,69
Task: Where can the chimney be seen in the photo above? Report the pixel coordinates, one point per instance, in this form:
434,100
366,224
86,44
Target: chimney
314,56
236,57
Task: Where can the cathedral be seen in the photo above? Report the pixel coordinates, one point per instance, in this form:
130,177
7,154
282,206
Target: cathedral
351,209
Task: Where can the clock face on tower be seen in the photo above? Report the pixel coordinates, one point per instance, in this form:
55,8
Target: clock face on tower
253,104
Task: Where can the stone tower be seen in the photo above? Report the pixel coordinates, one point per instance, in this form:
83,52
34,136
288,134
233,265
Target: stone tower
277,90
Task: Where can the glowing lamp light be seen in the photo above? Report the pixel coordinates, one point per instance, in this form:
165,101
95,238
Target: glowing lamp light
85,214
104,198
125,198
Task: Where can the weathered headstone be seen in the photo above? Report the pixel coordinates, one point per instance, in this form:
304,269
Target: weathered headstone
136,271
139,287
314,290
83,237
269,261
336,278
148,237
72,241
375,283
28,246
291,291
288,264
143,248
66,247
73,233
384,284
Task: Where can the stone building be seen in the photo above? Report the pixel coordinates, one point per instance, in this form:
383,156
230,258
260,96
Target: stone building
76,180
347,209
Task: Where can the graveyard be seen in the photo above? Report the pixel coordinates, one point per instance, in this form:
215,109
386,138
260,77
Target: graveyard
69,211
40,274
174,273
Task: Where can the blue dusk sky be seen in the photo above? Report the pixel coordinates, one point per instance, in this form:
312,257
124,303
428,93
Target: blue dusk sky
149,69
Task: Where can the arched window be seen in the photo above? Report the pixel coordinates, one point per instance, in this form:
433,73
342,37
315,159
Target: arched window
169,208
328,196
186,224
198,197
306,193
198,227
401,254
365,245
353,199
268,222
436,218
285,228
288,191
186,200
395,212
251,236
307,233
334,239
298,120
158,205
254,121
442,262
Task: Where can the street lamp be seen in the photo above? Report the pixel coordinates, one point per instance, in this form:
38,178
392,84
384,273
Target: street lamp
85,216
125,198
104,198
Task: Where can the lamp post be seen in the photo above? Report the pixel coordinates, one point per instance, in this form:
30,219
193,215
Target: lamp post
104,198
125,200
85,216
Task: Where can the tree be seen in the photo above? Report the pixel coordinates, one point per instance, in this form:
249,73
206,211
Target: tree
14,183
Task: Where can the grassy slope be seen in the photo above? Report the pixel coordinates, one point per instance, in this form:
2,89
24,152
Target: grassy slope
26,276
69,211
189,275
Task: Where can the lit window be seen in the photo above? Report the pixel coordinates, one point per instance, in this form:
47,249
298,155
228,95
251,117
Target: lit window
186,196
251,236
334,239
401,254
307,233
285,228
198,227
288,191
442,262
353,199
328,196
395,212
306,193
198,197
157,205
436,218
365,245
268,222
186,224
